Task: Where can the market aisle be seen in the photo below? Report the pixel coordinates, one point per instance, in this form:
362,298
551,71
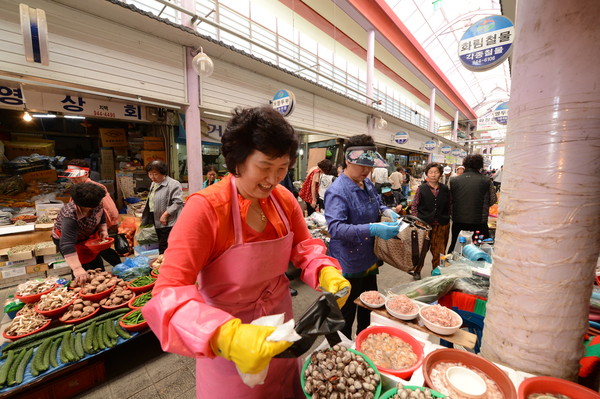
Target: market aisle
143,371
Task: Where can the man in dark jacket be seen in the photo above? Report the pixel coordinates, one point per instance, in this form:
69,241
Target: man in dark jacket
472,196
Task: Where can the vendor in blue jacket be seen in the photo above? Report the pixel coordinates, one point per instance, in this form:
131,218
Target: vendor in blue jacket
353,214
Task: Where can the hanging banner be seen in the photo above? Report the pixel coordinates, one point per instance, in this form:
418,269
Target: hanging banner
429,145
487,43
487,123
401,137
456,152
34,29
284,102
463,153
501,113
446,149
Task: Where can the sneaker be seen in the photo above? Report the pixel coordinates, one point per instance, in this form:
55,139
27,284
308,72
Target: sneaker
293,292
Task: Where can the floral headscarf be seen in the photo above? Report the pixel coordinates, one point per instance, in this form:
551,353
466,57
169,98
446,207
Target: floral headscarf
365,156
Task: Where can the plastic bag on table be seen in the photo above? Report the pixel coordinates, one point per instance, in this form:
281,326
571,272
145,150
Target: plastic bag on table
429,289
122,245
323,317
132,268
146,235
475,285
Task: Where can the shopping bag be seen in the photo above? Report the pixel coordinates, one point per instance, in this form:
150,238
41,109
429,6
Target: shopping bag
122,245
407,250
146,235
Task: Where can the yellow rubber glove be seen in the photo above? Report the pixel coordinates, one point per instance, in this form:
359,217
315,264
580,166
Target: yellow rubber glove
246,345
331,280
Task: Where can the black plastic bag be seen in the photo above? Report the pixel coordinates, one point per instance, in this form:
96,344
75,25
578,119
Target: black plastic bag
323,317
121,245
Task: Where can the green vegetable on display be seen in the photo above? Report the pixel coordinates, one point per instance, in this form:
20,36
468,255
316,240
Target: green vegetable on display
142,299
142,281
133,318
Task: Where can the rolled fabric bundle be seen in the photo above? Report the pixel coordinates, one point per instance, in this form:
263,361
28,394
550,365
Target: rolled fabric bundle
474,253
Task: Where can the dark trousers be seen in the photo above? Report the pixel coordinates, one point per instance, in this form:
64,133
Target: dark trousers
163,238
350,309
309,209
457,227
111,256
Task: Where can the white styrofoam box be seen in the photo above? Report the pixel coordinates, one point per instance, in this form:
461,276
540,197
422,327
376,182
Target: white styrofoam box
13,271
24,263
59,265
53,258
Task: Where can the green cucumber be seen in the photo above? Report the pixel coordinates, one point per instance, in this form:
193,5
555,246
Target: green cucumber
6,366
88,341
64,348
38,359
110,329
100,336
79,346
123,333
70,348
21,368
12,373
53,352
40,336
110,315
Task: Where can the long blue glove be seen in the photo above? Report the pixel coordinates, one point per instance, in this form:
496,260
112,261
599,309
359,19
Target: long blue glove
391,214
385,230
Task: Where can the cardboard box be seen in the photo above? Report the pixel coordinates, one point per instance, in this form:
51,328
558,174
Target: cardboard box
107,164
53,258
13,149
50,208
40,267
22,263
13,271
113,137
51,250
149,156
20,256
62,266
154,143
46,176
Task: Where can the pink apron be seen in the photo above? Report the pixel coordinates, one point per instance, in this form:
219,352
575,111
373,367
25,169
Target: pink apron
248,281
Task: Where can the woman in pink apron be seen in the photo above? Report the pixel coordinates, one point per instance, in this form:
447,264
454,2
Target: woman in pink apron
225,265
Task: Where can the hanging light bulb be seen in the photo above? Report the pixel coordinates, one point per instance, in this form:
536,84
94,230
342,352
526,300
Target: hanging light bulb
27,117
203,65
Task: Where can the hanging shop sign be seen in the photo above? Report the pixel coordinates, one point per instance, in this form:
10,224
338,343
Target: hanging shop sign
429,145
487,123
446,149
487,43
284,102
401,137
463,153
13,97
34,29
501,113
456,152
213,129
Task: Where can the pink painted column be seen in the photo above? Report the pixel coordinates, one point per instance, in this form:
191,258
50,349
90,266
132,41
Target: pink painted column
547,242
370,76
192,113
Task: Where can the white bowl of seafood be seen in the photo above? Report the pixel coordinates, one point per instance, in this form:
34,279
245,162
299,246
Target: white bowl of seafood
372,299
402,307
440,319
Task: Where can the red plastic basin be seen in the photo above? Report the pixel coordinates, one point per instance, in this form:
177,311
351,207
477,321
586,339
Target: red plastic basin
406,373
555,386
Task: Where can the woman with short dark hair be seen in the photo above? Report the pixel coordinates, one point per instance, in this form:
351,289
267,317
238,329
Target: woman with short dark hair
211,177
226,262
77,222
164,203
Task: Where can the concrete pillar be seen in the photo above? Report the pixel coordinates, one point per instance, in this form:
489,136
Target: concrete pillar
370,76
547,240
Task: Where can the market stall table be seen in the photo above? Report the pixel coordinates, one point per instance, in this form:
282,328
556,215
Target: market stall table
460,337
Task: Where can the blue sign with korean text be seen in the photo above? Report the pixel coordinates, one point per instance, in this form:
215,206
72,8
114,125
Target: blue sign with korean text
401,137
463,153
456,152
429,145
446,149
487,43
501,113
284,102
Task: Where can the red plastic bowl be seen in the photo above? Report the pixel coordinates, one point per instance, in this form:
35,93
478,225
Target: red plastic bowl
472,361
142,289
81,319
154,273
16,337
98,296
95,246
35,297
55,312
555,386
132,327
416,346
